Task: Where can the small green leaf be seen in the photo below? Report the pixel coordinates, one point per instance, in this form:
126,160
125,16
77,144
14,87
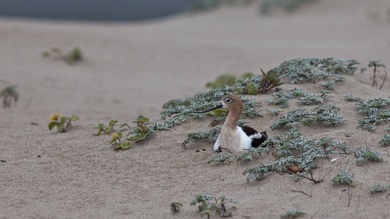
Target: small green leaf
218,112
125,145
60,127
64,119
119,135
74,118
107,130
122,125
99,132
252,90
141,119
99,126
138,137
52,124
111,123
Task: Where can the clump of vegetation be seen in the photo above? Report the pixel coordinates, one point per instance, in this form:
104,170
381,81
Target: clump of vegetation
71,57
324,114
222,81
291,214
61,122
385,142
374,112
208,204
343,178
175,207
379,188
296,154
136,134
10,95
222,159
363,155
210,135
281,97
268,81
314,69
313,99
351,98
376,65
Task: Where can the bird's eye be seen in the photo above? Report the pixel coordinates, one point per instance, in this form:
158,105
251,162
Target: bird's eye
228,100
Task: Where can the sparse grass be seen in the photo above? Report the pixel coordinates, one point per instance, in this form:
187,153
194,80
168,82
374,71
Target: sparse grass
351,98
226,159
73,56
385,142
363,155
375,112
379,188
291,214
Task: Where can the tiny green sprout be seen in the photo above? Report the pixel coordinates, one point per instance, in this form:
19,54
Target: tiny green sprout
268,81
343,178
73,56
175,207
61,122
291,214
385,142
9,95
379,188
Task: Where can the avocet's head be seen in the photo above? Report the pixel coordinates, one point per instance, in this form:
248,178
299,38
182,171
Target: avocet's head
232,103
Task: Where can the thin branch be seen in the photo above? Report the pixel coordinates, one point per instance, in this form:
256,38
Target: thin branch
383,83
298,191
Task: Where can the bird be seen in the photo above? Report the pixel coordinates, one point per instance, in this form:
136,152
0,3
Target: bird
232,137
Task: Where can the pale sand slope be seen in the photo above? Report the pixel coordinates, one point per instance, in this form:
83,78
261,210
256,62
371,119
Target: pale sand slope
132,69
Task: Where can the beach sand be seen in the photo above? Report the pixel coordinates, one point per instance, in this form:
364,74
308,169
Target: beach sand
133,68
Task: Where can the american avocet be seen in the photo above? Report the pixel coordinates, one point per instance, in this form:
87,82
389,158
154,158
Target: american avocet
232,137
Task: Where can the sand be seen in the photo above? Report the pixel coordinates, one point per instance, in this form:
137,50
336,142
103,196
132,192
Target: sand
133,68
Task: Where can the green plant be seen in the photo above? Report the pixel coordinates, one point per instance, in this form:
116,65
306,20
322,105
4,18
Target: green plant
141,132
117,143
314,69
385,142
313,99
378,188
376,65
374,112
351,98
343,178
268,81
222,158
9,95
290,214
175,207
106,129
222,81
281,98
208,204
73,56
61,122
363,155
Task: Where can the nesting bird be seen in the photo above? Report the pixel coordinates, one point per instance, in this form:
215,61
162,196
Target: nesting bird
232,137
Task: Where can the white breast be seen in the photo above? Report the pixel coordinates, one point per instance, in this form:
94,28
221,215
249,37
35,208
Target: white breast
233,140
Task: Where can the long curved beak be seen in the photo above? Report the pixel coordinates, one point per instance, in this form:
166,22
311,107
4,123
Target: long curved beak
217,107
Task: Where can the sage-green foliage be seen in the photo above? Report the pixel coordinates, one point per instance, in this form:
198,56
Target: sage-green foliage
379,188
385,141
375,111
62,123
208,204
363,155
351,98
10,95
291,214
326,115
210,135
293,149
250,154
343,178
175,207
106,129
315,69
222,158
222,81
282,97
73,56
313,99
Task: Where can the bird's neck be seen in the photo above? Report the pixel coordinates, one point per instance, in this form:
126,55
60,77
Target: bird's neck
232,119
